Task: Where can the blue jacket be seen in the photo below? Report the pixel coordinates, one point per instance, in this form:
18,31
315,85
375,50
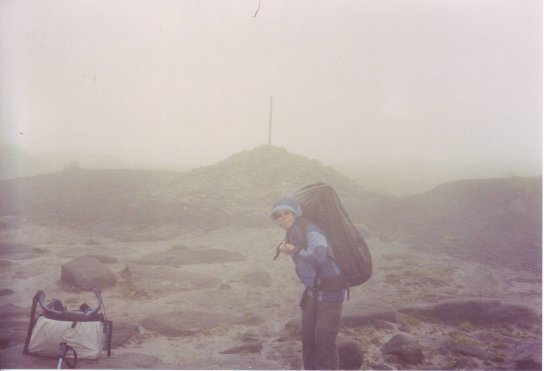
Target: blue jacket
312,259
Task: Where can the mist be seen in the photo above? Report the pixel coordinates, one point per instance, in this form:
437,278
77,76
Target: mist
423,116
389,92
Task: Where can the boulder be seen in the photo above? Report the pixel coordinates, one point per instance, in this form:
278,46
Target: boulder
478,312
350,354
406,349
292,327
87,272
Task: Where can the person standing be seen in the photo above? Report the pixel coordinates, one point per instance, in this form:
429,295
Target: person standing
324,291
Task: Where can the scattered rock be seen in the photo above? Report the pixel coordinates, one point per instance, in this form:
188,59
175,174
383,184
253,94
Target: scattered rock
156,281
183,255
405,348
87,272
251,347
350,354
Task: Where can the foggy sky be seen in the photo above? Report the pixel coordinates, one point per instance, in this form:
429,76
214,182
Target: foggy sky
189,82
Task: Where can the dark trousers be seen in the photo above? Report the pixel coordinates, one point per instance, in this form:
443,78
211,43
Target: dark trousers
319,329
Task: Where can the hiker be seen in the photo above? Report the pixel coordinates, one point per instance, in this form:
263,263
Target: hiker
321,306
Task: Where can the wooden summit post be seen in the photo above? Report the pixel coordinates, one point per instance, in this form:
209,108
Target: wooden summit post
270,123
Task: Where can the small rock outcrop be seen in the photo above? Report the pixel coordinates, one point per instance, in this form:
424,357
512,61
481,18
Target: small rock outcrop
87,272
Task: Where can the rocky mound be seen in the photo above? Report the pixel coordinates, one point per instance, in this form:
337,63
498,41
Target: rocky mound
491,220
237,191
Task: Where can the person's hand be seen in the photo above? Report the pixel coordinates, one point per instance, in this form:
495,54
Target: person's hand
287,248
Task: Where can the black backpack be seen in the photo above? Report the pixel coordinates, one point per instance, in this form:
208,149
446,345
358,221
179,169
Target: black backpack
320,205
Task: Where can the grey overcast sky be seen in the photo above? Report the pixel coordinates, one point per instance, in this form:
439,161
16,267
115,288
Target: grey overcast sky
189,82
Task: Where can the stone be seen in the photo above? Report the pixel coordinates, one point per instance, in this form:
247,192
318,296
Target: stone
478,312
350,354
87,272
